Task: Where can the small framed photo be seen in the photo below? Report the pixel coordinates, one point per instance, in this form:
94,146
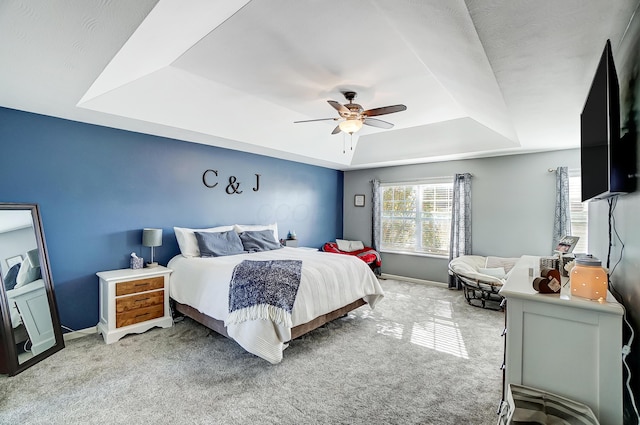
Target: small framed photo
358,200
12,261
567,243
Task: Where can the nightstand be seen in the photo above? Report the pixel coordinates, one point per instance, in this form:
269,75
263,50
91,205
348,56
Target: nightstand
291,243
133,301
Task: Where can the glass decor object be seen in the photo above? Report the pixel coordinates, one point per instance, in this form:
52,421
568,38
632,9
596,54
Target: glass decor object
588,279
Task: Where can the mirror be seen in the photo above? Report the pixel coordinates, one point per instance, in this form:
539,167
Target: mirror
29,323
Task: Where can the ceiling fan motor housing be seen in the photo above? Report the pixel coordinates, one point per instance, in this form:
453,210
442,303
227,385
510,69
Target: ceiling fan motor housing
354,108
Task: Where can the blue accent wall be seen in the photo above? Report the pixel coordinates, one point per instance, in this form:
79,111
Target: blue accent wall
97,187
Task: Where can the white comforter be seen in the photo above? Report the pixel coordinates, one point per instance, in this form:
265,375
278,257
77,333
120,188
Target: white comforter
328,282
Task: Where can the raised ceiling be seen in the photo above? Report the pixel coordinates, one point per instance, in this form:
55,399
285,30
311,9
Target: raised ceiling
478,77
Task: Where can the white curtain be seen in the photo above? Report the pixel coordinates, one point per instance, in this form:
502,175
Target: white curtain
562,217
376,227
460,241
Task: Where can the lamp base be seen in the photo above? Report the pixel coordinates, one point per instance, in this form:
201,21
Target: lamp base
154,264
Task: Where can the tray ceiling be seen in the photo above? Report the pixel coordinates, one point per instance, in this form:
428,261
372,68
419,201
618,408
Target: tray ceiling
479,78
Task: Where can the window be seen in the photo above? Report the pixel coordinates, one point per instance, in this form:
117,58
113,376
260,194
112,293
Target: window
416,218
579,211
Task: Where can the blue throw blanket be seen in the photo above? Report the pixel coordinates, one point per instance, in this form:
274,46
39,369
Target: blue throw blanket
263,290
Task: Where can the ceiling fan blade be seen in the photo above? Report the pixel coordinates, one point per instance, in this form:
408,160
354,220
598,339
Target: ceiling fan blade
339,107
373,122
336,130
319,119
384,110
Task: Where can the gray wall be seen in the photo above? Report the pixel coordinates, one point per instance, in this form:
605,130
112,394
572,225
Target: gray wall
626,277
512,206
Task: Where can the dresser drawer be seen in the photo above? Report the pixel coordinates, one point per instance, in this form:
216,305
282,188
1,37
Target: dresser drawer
139,315
139,285
133,302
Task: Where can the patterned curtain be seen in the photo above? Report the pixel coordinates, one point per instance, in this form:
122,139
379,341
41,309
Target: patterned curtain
376,227
562,217
460,242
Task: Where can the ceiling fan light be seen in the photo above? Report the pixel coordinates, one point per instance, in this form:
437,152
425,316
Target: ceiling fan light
350,126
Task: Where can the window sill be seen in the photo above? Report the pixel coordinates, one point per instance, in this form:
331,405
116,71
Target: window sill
416,254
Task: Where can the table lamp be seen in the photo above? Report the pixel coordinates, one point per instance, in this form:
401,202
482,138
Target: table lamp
152,238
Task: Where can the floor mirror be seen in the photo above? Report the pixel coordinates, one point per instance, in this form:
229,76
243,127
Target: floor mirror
29,323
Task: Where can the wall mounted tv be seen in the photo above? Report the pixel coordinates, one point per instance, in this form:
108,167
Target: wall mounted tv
607,160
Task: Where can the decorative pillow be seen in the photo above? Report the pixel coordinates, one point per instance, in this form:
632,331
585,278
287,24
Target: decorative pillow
493,271
257,227
259,240
219,244
187,239
27,273
10,279
349,246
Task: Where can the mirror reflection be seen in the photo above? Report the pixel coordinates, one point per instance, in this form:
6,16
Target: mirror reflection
25,288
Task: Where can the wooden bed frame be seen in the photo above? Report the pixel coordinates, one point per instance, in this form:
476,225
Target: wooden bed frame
296,332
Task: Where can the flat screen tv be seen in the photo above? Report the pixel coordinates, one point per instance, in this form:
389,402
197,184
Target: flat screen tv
606,159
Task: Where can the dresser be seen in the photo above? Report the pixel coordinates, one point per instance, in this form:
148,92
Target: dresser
133,301
561,344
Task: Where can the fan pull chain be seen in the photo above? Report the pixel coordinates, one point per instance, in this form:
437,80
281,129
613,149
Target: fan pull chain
343,145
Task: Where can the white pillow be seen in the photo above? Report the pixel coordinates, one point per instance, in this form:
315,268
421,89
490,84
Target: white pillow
239,228
493,271
187,238
349,246
27,273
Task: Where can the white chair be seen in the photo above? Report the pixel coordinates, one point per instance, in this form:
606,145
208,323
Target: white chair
482,278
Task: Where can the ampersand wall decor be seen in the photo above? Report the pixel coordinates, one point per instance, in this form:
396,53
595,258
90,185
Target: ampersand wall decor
232,188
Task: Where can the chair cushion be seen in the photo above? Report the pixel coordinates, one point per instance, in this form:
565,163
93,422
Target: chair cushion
470,266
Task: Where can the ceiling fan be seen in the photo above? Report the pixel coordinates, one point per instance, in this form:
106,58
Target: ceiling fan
352,115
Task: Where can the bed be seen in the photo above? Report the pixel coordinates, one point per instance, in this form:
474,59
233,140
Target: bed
329,287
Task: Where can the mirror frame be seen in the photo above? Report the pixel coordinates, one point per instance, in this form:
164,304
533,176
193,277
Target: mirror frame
8,353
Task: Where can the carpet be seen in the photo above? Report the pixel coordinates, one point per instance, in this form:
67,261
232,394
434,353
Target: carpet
423,356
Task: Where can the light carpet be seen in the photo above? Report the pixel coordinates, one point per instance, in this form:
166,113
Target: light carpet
423,356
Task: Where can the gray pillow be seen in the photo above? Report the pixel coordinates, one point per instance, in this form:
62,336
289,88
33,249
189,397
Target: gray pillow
219,244
259,240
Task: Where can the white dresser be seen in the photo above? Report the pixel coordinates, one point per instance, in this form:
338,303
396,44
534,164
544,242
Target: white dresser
566,345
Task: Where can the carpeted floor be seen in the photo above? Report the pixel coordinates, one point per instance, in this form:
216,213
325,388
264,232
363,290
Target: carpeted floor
423,356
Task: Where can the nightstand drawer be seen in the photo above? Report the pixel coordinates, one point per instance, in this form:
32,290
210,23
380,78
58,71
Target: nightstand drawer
133,302
139,315
139,285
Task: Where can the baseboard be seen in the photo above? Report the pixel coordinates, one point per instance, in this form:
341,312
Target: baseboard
79,334
413,280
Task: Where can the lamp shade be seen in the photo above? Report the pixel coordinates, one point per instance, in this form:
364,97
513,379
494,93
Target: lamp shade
350,125
152,237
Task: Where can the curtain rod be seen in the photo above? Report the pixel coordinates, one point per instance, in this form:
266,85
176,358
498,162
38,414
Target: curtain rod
421,179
